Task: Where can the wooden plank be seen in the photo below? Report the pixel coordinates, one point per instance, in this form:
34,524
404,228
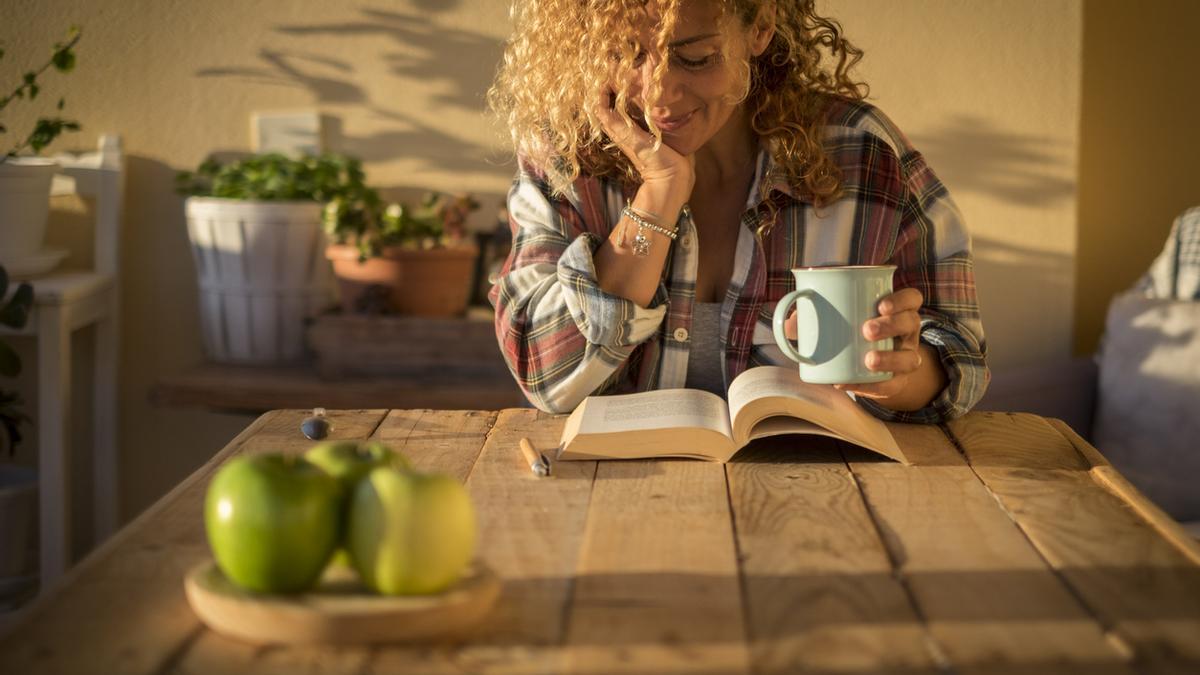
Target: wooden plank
531,530
657,588
256,389
991,602
1142,587
819,590
360,344
434,441
1107,475
123,610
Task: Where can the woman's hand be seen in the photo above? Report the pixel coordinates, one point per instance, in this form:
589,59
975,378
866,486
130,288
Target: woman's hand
660,167
917,374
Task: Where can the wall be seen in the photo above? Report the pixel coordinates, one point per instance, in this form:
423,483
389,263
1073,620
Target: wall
1140,145
988,90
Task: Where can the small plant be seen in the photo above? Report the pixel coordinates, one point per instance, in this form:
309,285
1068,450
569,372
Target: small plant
438,220
46,129
354,213
328,178
14,312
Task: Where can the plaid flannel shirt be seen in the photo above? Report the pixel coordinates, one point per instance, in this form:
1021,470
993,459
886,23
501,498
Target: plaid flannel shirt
564,338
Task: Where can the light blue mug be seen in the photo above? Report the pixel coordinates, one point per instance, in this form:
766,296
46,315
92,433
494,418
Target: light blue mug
830,346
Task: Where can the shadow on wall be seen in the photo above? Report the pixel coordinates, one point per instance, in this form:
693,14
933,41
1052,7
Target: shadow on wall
1028,344
1007,277
1013,167
457,66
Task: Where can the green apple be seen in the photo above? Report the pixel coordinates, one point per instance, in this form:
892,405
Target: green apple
410,533
272,521
348,462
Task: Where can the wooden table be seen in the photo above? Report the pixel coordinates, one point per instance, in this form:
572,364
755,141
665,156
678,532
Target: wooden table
1011,547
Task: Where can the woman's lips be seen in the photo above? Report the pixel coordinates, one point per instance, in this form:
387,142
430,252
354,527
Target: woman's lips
676,123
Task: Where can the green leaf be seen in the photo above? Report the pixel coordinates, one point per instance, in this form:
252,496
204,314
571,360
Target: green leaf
29,78
1,52
64,60
33,91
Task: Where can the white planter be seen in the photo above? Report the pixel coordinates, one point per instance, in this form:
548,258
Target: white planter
24,204
18,521
262,271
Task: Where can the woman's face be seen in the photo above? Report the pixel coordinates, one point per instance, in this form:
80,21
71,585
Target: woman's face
699,88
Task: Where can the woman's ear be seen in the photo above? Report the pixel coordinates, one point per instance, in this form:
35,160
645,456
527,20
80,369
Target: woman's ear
762,29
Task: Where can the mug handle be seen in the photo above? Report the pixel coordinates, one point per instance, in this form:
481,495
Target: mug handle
781,315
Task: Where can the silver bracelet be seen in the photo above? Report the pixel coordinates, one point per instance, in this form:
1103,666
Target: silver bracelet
641,243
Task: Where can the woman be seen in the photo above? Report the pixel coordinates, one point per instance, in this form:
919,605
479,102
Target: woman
677,159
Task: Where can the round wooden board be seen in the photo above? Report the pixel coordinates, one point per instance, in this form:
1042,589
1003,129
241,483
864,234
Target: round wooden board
339,610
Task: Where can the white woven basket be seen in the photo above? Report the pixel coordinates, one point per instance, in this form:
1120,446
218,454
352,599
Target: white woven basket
262,271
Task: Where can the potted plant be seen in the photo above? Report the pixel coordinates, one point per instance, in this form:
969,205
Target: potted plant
408,260
24,180
256,235
18,485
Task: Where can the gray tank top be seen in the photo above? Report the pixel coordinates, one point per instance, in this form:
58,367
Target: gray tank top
704,349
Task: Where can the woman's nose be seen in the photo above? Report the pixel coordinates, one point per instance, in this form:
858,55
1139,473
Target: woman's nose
672,86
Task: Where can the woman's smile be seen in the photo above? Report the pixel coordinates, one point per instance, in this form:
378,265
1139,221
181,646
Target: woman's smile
675,123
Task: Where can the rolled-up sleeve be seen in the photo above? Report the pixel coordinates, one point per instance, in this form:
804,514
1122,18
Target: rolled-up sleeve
603,318
562,336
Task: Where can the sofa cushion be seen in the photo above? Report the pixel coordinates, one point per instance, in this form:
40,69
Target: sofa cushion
1147,419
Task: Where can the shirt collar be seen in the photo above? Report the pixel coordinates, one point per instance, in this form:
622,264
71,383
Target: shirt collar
764,167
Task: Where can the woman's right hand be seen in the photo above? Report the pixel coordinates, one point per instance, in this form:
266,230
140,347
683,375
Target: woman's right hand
659,167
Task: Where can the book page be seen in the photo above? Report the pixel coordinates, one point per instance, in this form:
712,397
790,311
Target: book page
773,391
663,409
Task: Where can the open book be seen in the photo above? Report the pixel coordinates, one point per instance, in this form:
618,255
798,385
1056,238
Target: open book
763,401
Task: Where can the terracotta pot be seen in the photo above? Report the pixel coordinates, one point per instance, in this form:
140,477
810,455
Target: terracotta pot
419,282
437,281
366,286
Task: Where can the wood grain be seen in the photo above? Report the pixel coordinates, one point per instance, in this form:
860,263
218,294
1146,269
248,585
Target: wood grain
1107,475
657,588
991,602
531,529
257,389
122,609
1032,556
819,590
398,345
1142,587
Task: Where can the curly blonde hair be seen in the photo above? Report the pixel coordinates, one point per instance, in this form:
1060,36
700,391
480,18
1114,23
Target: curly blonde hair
564,54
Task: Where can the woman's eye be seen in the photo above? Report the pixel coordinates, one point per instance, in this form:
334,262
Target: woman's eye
695,64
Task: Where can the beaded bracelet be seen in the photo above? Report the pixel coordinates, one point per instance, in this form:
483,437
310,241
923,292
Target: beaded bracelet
641,243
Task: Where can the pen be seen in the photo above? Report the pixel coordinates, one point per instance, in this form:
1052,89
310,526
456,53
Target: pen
537,461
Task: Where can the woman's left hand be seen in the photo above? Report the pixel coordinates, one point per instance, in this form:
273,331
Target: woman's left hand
898,318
